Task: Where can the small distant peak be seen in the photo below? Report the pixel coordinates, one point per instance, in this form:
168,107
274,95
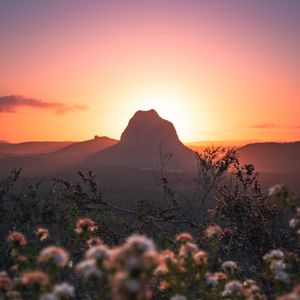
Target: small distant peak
103,137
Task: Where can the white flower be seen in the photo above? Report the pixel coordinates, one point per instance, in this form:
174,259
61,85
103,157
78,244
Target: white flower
229,265
232,287
140,242
133,286
283,277
49,296
88,268
274,254
274,189
211,281
99,253
64,290
278,266
55,255
294,222
178,297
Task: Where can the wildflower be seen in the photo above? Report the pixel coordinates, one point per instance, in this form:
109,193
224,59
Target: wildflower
273,254
17,239
6,284
161,270
248,283
200,258
42,233
64,290
282,276
251,289
13,295
133,286
294,222
188,249
229,266
94,241
126,288
49,296
279,191
294,295
233,288
53,254
88,268
85,225
167,257
213,231
140,243
98,253
277,266
178,297
215,278
34,279
138,252
184,238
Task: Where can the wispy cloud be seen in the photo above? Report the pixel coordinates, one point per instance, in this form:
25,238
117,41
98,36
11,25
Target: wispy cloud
262,125
9,104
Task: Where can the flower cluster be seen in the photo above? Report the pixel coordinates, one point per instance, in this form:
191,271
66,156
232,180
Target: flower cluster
137,270
276,265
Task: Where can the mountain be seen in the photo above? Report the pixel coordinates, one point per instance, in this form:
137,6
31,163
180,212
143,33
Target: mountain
272,157
29,148
201,145
50,163
148,142
81,150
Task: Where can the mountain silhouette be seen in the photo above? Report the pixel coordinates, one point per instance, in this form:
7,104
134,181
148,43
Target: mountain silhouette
81,150
148,141
30,148
272,157
44,163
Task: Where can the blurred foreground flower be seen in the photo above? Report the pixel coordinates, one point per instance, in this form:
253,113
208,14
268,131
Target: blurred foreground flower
35,279
55,255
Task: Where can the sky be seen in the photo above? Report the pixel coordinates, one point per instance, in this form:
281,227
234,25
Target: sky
219,70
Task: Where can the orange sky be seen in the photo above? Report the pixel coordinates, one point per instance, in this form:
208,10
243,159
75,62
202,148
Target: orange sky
216,71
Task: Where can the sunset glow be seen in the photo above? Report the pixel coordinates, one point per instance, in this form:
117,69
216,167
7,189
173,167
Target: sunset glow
219,70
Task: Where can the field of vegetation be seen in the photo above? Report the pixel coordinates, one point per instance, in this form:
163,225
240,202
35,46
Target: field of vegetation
230,241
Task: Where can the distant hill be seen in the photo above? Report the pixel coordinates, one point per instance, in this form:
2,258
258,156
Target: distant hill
81,150
50,163
272,157
201,145
148,142
29,148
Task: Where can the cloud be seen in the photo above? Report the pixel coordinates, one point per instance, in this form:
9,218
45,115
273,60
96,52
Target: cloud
9,104
262,125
